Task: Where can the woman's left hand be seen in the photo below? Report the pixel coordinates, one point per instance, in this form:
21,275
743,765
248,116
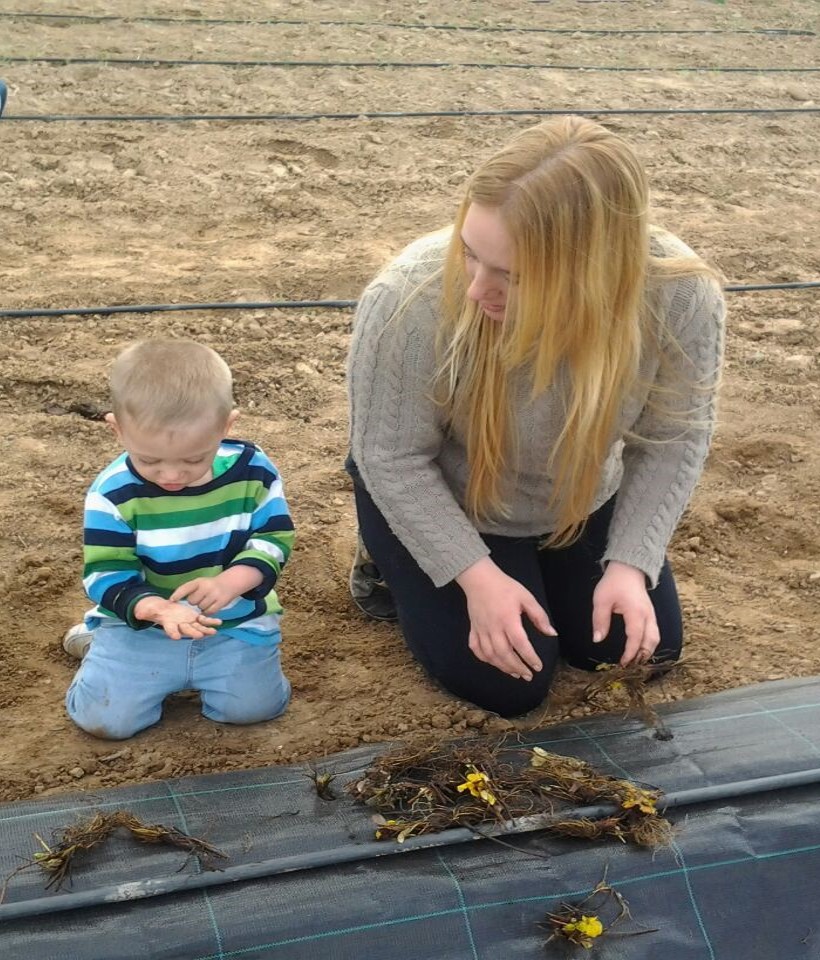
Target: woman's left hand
622,589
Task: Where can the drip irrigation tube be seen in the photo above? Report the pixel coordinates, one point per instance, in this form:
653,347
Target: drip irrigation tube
393,65
397,114
290,304
793,285
352,853
168,307
95,18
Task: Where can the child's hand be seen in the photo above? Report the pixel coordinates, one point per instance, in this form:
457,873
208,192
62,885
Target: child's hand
215,593
208,593
178,620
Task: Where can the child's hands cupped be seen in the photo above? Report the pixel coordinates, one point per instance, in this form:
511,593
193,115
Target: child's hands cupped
180,621
208,593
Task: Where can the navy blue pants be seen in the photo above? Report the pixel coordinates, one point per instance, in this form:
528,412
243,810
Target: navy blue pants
436,625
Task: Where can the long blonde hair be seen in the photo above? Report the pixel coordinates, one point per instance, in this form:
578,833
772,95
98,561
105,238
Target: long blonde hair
574,199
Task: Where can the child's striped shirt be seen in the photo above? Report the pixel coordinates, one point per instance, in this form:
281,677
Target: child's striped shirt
141,540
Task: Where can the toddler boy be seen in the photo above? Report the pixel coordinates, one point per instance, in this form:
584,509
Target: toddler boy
185,535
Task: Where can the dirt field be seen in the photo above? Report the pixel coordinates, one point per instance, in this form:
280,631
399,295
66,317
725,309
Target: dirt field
105,213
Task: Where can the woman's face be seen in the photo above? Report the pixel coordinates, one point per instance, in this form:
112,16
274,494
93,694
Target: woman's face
487,258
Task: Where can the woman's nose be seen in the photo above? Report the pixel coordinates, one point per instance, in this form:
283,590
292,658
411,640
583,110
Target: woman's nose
480,285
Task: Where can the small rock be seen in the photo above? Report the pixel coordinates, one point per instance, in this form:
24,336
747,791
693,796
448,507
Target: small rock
475,718
77,772
797,92
800,361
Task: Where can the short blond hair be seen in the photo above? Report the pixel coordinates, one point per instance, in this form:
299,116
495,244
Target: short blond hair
160,383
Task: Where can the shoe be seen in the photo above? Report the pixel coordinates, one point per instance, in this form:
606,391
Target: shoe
3,94
369,591
77,640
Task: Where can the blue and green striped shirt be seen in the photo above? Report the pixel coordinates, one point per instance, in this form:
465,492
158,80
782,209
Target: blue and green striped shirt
141,540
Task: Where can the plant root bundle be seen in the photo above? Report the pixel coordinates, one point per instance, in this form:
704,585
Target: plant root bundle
466,784
629,682
595,916
57,858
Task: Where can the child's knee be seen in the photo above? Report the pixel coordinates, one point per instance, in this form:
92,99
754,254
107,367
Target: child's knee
100,720
242,710
106,728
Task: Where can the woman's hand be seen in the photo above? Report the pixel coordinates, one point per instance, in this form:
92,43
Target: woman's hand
495,603
622,589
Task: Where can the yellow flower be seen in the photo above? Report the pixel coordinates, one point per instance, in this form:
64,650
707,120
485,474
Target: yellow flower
540,757
642,799
478,784
590,926
587,927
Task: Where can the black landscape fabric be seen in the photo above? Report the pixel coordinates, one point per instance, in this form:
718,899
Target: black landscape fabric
740,879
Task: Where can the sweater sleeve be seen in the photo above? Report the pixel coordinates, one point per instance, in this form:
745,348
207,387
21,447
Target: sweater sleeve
667,446
397,430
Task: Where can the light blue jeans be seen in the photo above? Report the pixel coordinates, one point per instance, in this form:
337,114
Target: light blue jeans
126,675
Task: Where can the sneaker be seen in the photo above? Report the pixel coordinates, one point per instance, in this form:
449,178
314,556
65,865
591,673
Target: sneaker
369,591
77,640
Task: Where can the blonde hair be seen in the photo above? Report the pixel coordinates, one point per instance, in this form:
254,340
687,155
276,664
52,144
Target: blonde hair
160,383
574,199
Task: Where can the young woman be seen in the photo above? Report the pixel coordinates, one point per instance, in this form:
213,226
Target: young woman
532,399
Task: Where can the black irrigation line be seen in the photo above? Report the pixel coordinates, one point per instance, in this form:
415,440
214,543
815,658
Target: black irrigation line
95,18
173,307
290,304
388,64
399,114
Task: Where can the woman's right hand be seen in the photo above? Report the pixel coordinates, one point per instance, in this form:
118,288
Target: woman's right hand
495,603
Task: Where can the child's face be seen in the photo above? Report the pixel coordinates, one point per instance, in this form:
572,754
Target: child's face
175,457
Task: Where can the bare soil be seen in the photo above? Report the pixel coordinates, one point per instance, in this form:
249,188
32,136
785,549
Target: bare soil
104,213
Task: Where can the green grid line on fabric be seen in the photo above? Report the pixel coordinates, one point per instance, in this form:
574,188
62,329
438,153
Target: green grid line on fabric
209,909
800,736
693,900
675,846
461,901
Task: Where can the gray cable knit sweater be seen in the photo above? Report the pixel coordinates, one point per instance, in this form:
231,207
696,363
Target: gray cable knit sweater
414,463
